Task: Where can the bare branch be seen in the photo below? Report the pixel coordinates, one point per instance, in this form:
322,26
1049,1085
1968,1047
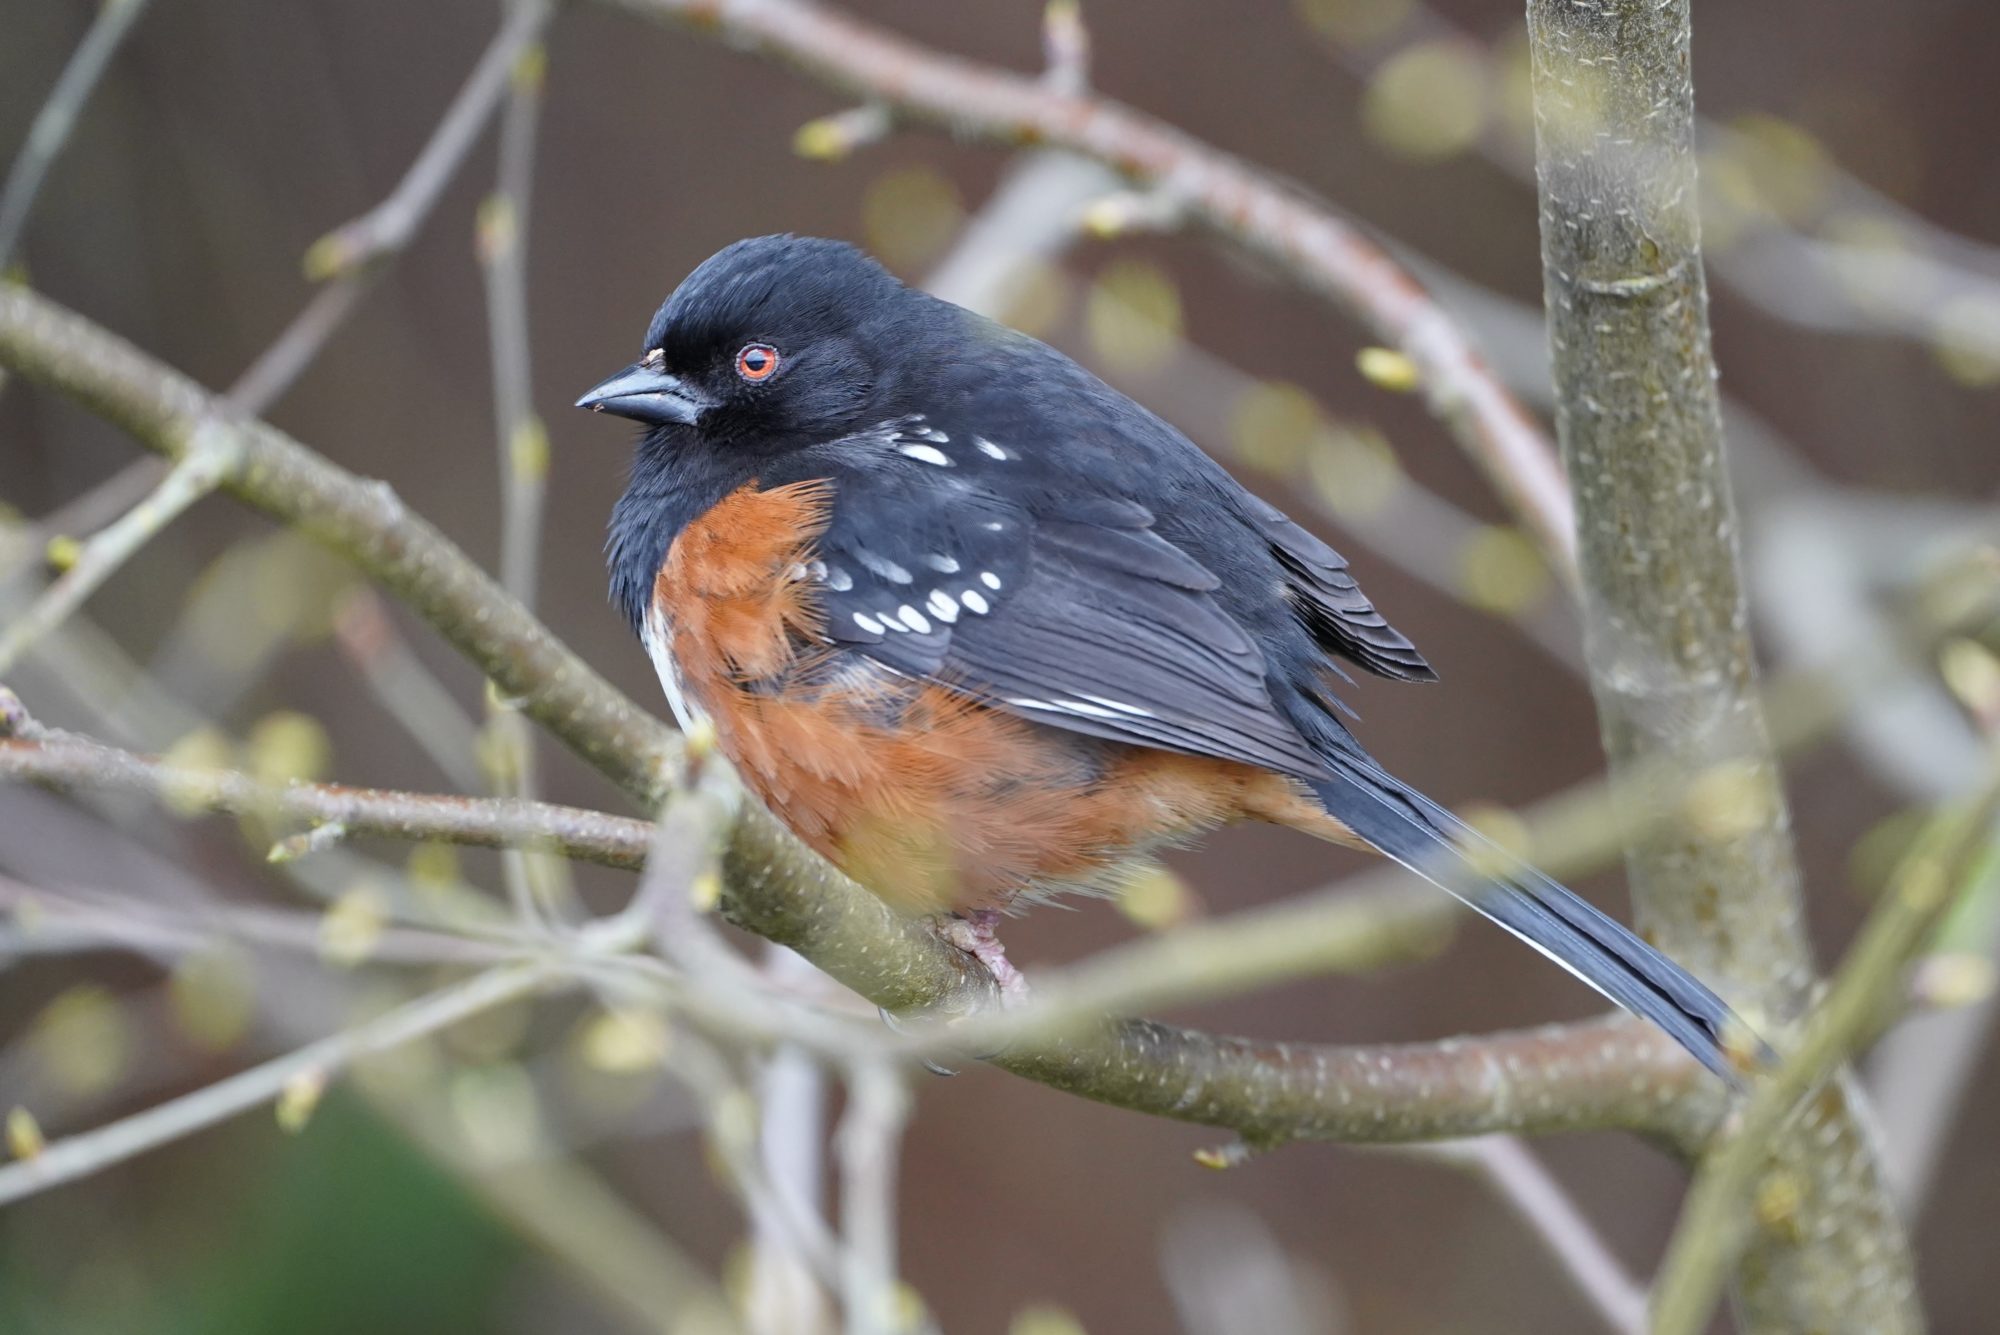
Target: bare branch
71,764
92,1151
1715,1220
365,521
867,1145
52,124
192,477
1527,1188
1666,624
351,256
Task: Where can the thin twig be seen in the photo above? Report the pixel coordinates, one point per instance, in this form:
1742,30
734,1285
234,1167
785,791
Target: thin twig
66,763
27,545
351,256
503,253
867,1145
791,1088
567,1209
92,1151
193,476
52,124
1895,282
535,885
1518,1178
363,519
408,690
50,920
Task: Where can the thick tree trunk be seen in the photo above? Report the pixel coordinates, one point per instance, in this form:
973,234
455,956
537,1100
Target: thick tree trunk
1667,627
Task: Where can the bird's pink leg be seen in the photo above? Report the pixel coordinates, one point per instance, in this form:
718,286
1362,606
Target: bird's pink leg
977,933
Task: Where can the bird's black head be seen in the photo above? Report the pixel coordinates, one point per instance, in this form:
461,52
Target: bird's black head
774,342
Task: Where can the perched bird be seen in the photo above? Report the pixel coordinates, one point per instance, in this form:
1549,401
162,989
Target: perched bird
981,629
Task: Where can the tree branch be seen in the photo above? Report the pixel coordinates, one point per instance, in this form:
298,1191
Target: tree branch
50,131
1318,248
365,521
191,478
90,1151
1666,623
1712,1225
69,764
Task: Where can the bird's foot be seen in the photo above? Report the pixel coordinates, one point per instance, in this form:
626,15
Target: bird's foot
977,933
901,1030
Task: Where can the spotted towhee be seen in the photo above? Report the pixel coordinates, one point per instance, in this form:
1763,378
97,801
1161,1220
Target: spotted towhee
980,628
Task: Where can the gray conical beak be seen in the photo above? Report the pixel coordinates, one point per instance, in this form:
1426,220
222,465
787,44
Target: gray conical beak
646,394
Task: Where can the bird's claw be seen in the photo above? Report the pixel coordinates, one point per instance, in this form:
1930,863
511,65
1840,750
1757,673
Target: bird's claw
895,1025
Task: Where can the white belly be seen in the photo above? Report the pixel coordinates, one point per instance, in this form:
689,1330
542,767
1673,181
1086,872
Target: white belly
658,638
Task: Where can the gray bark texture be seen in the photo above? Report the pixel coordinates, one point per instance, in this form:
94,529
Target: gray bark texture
1667,627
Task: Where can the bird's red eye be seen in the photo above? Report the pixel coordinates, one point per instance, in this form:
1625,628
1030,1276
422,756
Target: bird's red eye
757,362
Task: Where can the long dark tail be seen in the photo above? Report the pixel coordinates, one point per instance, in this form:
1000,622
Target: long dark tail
1415,831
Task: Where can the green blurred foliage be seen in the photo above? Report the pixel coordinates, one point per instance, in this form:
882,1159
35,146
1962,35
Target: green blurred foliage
342,1230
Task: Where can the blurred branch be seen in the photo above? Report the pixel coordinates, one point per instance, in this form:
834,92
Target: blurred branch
407,689
51,920
503,254
69,764
878,1106
351,255
91,1151
1714,1223
536,885
791,1088
1666,625
1315,246
1855,262
50,131
26,546
364,520
1526,1187
193,476
569,1211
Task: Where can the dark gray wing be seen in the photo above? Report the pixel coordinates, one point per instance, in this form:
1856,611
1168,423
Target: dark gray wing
1331,604
1068,609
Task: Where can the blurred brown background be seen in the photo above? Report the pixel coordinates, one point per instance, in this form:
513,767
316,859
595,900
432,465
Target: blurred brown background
228,137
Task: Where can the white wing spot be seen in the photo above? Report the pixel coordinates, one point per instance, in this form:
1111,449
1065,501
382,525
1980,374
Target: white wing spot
990,580
942,607
838,580
914,619
883,566
990,450
1121,707
926,454
931,434
973,602
944,565
868,623
1076,707
992,526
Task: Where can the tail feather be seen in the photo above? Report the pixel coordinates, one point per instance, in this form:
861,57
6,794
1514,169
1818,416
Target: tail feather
1421,835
